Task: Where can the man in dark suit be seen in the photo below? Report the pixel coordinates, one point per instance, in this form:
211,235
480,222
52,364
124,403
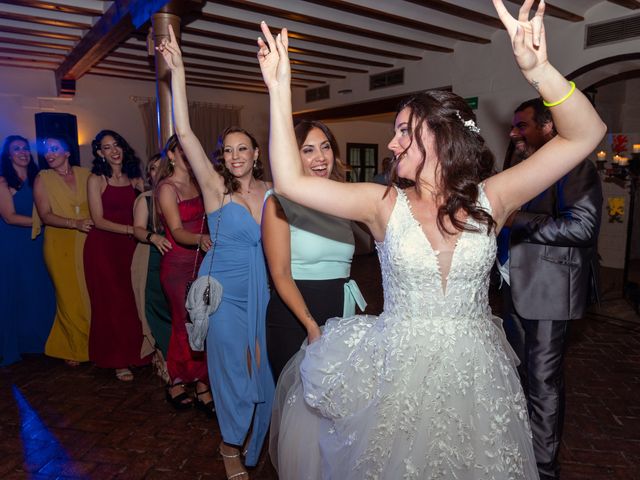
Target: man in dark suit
547,255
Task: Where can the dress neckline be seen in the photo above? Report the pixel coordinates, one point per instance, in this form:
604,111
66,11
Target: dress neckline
444,279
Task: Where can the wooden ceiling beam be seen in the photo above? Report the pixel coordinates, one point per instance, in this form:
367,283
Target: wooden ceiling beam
140,59
406,22
54,7
459,12
632,4
292,49
250,65
374,106
52,22
106,72
328,24
555,12
20,51
244,53
34,43
6,58
313,38
39,33
257,74
294,61
113,28
36,67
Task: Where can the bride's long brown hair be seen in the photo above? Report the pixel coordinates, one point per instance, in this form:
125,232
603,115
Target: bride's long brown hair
464,160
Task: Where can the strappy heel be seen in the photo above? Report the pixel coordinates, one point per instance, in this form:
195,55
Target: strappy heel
242,474
182,401
208,408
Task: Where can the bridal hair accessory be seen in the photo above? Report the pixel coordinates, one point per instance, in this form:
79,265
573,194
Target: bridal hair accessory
470,124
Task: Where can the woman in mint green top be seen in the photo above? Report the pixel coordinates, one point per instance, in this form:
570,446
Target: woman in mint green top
309,255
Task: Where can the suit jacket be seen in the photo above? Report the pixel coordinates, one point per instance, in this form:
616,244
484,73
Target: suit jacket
553,254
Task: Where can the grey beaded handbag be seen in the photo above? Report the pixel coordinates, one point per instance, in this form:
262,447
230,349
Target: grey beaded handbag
203,298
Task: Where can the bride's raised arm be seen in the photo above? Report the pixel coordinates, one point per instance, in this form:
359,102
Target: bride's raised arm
211,183
362,202
579,127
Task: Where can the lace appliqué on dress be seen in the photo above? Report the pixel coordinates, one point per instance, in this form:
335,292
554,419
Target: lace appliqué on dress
426,390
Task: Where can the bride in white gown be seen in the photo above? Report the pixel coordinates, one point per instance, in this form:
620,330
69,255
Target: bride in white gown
426,390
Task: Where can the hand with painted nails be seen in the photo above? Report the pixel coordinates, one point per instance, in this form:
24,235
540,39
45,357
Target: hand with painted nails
170,51
527,35
274,58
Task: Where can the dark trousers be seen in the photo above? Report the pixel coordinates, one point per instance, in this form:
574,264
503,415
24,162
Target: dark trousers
540,346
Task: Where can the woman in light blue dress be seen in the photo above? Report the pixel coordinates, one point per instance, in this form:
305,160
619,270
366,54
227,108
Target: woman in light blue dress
239,371
27,302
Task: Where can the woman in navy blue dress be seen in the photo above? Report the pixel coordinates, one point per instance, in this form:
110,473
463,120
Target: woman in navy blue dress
27,302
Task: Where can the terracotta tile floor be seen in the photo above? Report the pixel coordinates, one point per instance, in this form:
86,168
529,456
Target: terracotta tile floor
59,422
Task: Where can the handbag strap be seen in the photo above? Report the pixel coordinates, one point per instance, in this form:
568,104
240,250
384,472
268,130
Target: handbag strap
215,236
195,260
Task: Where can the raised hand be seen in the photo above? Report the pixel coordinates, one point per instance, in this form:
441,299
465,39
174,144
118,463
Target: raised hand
274,58
527,35
171,51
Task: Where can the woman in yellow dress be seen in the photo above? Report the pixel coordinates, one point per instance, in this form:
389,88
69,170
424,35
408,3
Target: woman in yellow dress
60,194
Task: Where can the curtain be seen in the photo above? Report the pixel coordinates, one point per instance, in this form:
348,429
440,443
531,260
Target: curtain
148,110
208,120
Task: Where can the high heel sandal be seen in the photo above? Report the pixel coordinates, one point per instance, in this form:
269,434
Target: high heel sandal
243,473
182,401
208,408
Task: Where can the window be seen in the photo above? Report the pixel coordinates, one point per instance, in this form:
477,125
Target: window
362,158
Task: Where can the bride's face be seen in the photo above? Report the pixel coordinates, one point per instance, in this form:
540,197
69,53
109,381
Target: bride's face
405,148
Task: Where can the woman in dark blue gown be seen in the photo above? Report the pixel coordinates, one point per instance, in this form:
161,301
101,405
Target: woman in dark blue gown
27,302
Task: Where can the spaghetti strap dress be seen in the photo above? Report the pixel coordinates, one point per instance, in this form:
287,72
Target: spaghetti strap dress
115,337
153,308
176,271
27,301
237,330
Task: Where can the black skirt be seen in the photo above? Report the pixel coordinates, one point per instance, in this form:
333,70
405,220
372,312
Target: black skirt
285,333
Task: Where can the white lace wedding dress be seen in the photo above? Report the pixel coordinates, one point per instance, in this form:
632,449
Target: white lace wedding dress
426,390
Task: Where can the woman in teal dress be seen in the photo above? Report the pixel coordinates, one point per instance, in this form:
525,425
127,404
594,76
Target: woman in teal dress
233,195
309,255
27,302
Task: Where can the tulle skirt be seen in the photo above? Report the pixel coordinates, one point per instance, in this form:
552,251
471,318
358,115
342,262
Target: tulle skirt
389,398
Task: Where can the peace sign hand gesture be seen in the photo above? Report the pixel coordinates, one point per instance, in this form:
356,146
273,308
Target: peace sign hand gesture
527,35
171,51
274,58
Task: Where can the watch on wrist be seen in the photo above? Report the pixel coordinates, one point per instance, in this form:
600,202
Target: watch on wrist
149,236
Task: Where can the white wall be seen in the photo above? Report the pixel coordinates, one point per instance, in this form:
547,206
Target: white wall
103,102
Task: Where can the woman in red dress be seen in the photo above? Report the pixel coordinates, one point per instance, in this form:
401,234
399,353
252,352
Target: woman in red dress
183,217
115,336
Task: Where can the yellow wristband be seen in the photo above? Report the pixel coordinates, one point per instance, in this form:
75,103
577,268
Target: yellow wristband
563,99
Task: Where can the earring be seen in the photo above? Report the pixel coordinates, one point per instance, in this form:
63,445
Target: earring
172,163
255,163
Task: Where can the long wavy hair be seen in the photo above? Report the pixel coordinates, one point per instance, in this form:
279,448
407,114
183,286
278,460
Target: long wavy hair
130,161
7,169
231,183
165,170
74,161
464,160
302,131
